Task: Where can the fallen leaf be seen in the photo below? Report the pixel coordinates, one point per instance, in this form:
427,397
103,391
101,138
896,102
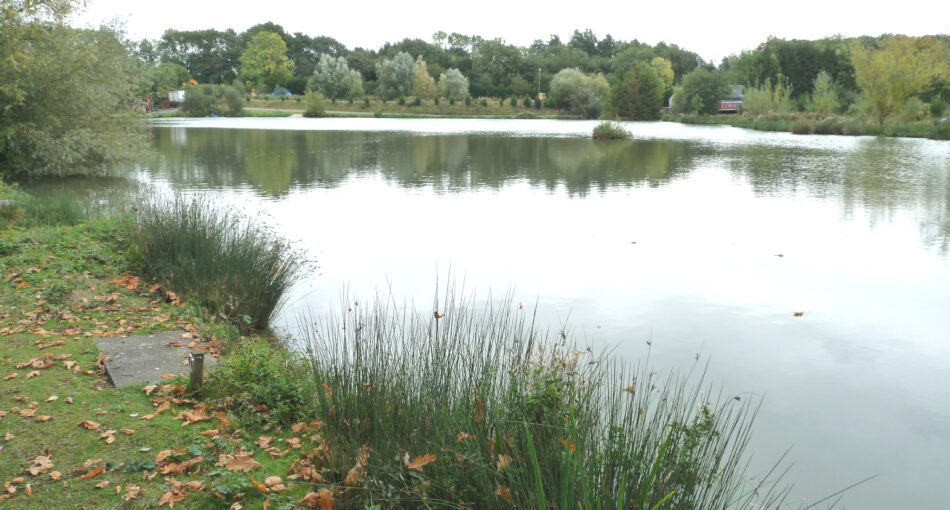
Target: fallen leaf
89,424
298,427
27,413
69,400
11,376
356,473
96,471
503,462
132,491
35,373
52,398
294,442
258,485
479,409
271,481
128,432
629,389
323,499
103,484
55,475
503,493
236,506
149,389
39,465
127,282
44,418
462,437
242,463
418,463
108,435
796,314
264,441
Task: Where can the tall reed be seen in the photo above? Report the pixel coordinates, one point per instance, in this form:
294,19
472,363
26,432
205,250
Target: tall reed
517,418
227,261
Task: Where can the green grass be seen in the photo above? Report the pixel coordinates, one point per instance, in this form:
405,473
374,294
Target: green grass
224,260
265,113
427,108
832,125
507,410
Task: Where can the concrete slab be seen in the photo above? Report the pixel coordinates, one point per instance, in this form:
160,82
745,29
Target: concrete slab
141,359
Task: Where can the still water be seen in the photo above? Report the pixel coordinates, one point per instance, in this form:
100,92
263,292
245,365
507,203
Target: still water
702,240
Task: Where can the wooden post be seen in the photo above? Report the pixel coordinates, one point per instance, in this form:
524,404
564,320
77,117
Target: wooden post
197,372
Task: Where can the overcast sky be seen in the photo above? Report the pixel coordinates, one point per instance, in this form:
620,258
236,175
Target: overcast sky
711,29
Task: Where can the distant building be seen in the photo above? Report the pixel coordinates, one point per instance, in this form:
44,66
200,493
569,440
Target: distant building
732,103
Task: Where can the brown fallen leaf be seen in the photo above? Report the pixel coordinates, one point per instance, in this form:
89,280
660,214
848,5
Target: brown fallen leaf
322,499
294,442
629,389
298,427
10,376
128,432
52,398
96,471
503,493
132,492
39,465
55,475
28,489
503,462
103,484
798,314
242,463
89,424
127,282
68,400
35,373
177,469
418,463
27,413
258,485
44,418
271,481
108,435
149,389
356,473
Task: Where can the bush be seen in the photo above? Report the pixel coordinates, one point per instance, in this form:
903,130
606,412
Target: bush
803,126
256,372
435,100
452,100
231,265
937,107
402,101
366,102
417,101
609,130
315,105
483,102
468,101
577,92
205,100
514,101
526,102
378,113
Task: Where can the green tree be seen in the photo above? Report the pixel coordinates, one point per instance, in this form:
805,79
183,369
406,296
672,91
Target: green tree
825,96
422,83
333,78
637,94
264,64
664,71
700,92
394,76
66,95
453,84
578,92
901,66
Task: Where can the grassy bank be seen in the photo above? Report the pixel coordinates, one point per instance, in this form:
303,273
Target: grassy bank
469,406
810,124
492,108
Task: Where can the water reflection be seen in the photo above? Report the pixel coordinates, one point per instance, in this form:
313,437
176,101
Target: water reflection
275,162
882,176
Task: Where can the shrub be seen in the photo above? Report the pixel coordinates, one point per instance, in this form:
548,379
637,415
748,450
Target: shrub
366,102
609,130
452,100
514,101
937,107
230,264
526,102
435,100
402,101
452,83
483,102
803,126
378,113
577,92
315,105
204,100
417,101
468,101
256,372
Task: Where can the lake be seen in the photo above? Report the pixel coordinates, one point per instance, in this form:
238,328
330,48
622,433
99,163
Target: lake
701,240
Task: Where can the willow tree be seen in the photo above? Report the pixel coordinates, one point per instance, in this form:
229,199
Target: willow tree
891,72
66,95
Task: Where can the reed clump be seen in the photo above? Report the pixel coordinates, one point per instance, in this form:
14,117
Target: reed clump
225,260
471,406
610,130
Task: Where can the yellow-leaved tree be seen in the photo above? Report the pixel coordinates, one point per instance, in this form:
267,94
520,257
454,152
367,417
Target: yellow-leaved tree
893,70
423,85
